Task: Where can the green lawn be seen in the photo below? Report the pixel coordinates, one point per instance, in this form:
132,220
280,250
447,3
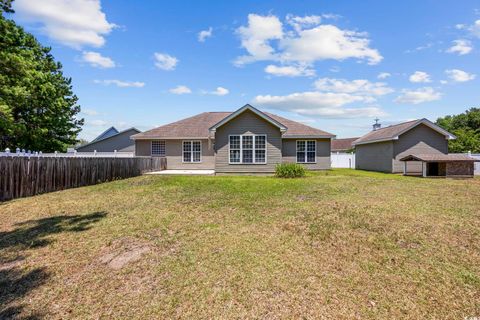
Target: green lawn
335,245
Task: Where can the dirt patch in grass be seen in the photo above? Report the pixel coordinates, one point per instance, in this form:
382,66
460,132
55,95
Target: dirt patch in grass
123,251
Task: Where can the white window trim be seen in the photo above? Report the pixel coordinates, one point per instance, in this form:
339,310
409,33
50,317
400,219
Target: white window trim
191,151
241,149
296,151
151,148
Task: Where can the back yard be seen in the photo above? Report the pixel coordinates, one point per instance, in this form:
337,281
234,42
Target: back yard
339,244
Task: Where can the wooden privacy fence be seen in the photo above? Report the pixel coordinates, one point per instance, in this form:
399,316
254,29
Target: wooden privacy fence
28,176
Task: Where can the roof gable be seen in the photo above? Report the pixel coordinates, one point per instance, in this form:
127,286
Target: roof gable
105,134
394,131
246,107
110,136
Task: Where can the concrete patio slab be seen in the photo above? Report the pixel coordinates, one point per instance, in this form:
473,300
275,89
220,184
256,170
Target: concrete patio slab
183,172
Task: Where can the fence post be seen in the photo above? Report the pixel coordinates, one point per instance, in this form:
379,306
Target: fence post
56,153
94,153
7,151
74,153
115,153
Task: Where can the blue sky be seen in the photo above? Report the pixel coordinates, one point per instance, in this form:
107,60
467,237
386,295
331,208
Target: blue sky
334,65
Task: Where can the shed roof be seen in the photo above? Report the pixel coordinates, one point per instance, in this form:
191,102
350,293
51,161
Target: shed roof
394,131
451,157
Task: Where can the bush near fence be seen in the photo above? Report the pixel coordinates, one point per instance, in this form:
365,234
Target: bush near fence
28,176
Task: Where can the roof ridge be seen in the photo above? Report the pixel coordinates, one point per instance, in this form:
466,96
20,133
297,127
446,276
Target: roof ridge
397,124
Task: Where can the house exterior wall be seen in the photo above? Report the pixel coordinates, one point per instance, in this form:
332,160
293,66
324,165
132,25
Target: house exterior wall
118,142
174,154
419,140
247,123
374,156
289,153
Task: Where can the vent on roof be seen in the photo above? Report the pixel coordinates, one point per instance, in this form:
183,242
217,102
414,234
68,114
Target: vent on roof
376,125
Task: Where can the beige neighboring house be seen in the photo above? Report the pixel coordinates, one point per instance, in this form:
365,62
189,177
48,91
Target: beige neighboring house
245,141
417,147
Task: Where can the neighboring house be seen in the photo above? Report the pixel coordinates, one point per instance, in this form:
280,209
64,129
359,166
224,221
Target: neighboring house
342,145
245,141
111,140
413,147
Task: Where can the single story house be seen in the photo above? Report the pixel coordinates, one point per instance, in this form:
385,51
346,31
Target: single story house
111,140
417,147
245,141
342,145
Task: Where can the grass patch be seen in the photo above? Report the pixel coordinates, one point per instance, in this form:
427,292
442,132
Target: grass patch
339,243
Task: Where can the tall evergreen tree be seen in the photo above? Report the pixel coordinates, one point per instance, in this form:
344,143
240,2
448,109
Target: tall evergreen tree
38,110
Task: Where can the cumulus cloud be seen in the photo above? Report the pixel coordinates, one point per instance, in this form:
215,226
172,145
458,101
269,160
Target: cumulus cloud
457,75
418,96
165,61
384,75
419,77
313,103
360,86
220,91
289,71
95,59
75,23
98,123
461,47
121,84
180,90
204,34
302,40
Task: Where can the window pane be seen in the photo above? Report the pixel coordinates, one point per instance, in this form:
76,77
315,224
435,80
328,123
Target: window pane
248,156
234,156
158,147
187,156
310,145
187,146
260,156
300,146
300,156
196,156
196,145
234,142
260,142
247,142
310,156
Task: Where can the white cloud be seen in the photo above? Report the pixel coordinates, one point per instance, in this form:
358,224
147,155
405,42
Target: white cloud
304,43
461,47
420,77
204,34
90,112
121,84
75,23
95,59
165,61
384,75
421,95
289,71
323,104
457,75
360,86
220,91
180,90
475,28
98,123
256,37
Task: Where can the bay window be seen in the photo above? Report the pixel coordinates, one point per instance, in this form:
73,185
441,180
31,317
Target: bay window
306,151
248,149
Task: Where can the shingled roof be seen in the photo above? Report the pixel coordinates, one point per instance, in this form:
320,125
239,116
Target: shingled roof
199,127
392,132
451,157
342,144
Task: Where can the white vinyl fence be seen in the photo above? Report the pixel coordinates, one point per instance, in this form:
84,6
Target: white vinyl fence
477,164
72,154
343,160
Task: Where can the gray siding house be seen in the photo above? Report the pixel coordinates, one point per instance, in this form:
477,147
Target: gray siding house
245,141
386,149
111,140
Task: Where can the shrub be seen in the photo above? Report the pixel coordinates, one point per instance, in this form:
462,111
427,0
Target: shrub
289,170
